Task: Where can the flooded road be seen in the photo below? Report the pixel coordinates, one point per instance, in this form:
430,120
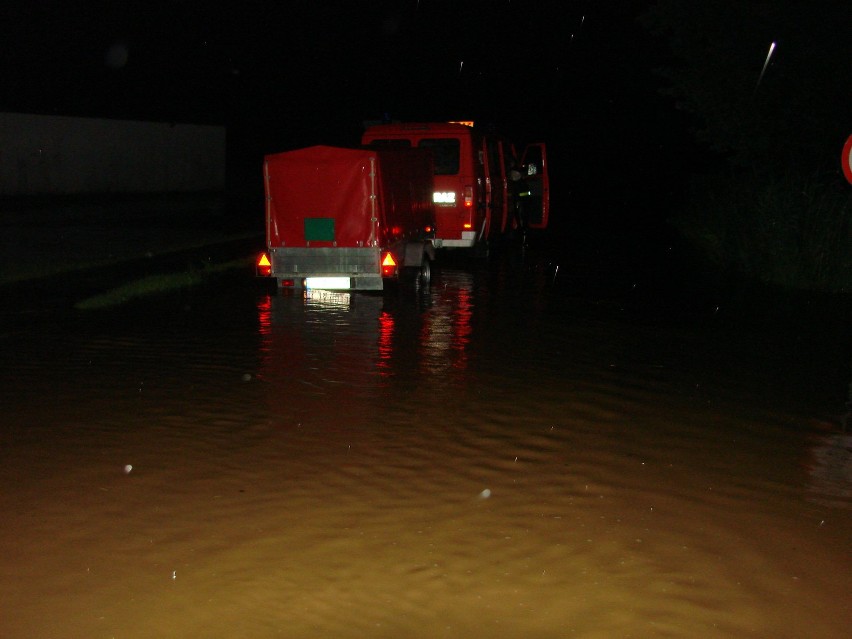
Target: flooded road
498,456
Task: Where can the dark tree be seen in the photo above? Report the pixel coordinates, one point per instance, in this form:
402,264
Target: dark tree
792,116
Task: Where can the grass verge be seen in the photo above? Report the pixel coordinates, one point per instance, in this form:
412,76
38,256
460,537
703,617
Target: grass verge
28,270
158,284
793,232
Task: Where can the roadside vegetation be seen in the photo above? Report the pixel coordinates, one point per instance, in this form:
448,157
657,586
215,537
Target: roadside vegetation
159,284
47,265
766,87
790,232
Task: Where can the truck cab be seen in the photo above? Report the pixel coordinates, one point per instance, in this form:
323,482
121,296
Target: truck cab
473,195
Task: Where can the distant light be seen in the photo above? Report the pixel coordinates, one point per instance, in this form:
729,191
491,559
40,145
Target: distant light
771,49
765,64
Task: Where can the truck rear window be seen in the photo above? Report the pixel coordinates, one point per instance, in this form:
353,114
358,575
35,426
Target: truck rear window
445,152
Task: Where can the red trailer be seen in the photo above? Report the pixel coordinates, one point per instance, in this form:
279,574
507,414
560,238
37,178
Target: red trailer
341,218
482,187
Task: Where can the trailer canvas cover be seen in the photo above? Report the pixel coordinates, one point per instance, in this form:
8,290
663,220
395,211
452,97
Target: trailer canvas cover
320,195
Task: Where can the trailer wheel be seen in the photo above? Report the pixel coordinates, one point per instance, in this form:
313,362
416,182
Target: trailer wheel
425,271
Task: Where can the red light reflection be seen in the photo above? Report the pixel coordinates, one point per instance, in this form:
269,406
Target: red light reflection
264,329
264,315
386,328
447,328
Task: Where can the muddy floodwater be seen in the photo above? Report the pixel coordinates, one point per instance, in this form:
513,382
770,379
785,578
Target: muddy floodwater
504,454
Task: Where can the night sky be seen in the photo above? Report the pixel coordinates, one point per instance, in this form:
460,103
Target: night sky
297,72
580,75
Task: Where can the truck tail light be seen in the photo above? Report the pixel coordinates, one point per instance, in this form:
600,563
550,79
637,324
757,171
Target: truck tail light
263,266
388,265
468,197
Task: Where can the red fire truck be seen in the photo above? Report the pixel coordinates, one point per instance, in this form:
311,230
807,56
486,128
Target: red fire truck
340,218
474,194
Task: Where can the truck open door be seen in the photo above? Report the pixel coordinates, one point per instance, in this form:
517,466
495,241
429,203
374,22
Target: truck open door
537,207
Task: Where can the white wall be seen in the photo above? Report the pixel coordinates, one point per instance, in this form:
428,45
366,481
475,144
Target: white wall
46,155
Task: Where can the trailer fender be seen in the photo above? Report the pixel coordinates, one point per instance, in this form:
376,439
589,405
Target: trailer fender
415,251
418,258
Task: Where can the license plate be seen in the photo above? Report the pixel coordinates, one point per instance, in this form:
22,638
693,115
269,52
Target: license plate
328,283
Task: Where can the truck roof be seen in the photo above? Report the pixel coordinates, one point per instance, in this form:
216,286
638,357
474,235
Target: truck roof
407,128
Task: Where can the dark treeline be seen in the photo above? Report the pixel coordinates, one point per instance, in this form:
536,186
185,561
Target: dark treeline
768,87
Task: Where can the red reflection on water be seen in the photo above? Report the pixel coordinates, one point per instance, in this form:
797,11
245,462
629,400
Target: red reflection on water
386,328
264,329
318,356
264,315
462,326
322,345
447,327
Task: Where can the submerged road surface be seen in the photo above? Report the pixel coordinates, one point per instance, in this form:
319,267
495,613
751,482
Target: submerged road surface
502,455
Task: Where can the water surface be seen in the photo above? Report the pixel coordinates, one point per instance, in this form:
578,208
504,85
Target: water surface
497,456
